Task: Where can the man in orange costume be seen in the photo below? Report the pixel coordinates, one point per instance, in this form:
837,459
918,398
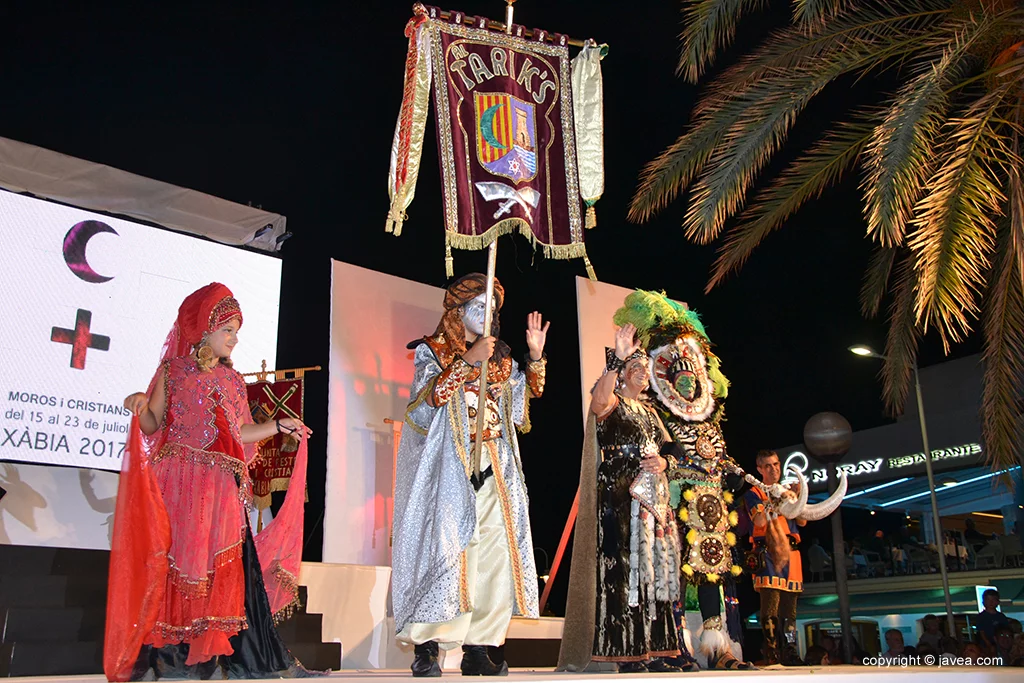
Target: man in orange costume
777,570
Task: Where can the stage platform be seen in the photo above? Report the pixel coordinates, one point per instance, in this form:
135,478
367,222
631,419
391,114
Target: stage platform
809,674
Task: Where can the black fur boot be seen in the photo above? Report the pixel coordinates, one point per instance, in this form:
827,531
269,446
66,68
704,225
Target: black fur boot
425,664
475,662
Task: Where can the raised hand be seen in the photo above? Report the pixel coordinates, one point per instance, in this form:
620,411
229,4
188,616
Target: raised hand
626,342
536,334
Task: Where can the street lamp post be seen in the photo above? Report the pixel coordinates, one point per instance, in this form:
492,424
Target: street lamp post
828,437
868,352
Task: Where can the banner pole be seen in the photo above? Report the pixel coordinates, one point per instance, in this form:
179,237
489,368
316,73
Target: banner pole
492,257
481,404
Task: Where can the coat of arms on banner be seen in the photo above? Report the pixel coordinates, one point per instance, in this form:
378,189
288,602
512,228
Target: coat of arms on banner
506,132
271,469
519,131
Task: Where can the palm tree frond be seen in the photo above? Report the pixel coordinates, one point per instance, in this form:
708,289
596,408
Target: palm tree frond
901,158
817,11
764,115
710,26
1004,360
851,43
889,35
876,280
805,179
901,341
955,221
673,170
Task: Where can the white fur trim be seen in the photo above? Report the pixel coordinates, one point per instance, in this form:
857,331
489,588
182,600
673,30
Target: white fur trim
702,377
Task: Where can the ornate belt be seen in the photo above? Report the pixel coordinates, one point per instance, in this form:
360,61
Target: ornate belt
624,451
761,543
489,434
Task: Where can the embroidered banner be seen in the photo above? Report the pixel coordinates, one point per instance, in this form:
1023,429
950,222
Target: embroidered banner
506,130
271,470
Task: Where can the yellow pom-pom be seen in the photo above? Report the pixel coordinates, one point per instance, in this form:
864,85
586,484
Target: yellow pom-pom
691,536
734,519
727,496
730,538
713,578
684,514
688,570
689,495
736,570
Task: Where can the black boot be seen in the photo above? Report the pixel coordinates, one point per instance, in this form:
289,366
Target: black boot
425,664
662,666
790,653
475,662
633,668
683,663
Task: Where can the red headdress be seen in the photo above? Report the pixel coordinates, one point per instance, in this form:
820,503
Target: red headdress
202,312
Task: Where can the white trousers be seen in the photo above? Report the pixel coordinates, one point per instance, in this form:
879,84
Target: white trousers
488,580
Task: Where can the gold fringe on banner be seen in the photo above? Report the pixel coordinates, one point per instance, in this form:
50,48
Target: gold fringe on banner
577,250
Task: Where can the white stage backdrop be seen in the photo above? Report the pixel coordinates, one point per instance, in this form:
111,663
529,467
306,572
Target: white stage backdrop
60,507
373,317
596,303
79,334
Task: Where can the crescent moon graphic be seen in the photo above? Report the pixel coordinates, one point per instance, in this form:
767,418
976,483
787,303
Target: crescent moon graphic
487,126
75,243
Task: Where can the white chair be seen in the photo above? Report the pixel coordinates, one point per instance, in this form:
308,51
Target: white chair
876,567
1012,554
991,555
921,561
860,562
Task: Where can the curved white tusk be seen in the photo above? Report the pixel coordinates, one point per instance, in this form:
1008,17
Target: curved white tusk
794,509
826,507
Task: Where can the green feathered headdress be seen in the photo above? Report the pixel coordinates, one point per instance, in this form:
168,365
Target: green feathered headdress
656,317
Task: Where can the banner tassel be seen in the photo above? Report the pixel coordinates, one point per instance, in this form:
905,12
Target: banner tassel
590,268
394,222
449,262
591,221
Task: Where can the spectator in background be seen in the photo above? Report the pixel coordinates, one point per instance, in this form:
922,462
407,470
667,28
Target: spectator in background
1017,651
877,543
831,647
971,652
931,637
894,642
818,559
989,619
949,646
816,656
923,650
973,537
1004,644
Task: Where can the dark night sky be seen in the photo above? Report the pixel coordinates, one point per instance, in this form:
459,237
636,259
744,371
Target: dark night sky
292,106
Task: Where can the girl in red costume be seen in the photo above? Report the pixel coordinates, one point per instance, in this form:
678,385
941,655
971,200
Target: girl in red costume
190,588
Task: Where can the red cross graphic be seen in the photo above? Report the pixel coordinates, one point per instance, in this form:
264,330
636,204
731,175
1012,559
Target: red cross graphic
81,339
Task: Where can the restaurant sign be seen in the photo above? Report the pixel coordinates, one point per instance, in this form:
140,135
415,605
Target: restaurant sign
876,468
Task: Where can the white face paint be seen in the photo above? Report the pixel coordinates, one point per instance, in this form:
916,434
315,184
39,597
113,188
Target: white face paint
473,314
